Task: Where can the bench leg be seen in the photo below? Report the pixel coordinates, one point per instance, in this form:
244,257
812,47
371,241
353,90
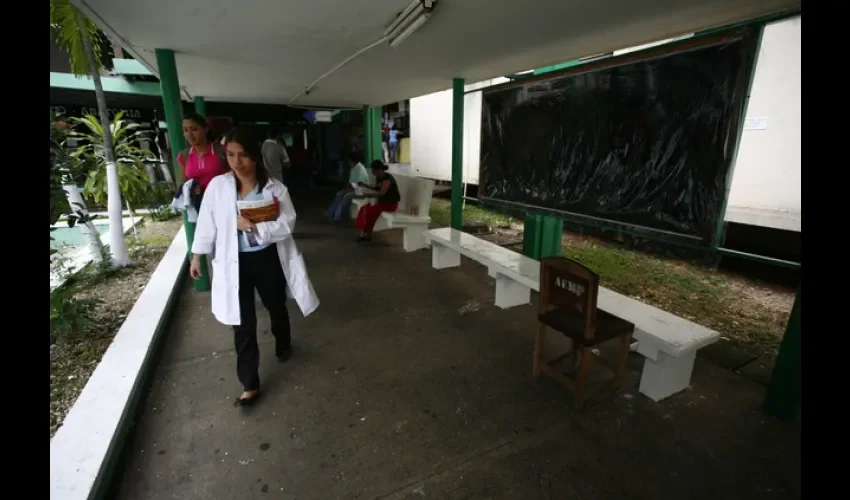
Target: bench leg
509,293
443,257
414,239
666,375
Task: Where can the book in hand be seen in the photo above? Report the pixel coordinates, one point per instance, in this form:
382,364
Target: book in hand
259,210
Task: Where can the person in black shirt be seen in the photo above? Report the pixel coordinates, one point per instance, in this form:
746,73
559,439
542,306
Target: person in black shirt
386,192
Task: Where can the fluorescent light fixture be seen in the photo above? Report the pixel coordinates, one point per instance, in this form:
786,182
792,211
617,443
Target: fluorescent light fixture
402,17
408,21
395,42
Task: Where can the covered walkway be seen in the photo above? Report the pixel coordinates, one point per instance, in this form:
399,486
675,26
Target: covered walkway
409,383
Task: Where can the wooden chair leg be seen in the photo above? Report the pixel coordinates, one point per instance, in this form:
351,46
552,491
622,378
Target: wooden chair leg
625,345
583,377
538,350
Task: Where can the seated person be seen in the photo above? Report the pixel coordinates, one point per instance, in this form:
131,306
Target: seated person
356,175
387,194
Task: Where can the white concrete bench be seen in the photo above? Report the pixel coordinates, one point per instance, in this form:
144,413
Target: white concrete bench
516,275
668,343
415,196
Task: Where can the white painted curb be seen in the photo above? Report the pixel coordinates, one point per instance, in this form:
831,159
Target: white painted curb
81,447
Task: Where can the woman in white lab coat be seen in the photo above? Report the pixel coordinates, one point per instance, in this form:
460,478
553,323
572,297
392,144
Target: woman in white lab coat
246,256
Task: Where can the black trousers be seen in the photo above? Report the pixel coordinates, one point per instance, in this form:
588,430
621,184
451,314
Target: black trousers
260,270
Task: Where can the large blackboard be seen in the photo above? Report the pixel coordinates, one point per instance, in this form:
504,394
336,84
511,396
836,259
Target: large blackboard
644,143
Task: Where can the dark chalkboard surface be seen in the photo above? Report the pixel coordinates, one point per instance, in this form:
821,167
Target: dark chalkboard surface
648,142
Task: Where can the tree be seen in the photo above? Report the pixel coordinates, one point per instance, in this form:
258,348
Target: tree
81,39
65,197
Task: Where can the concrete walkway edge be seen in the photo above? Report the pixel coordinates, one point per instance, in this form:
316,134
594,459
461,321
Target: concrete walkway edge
85,450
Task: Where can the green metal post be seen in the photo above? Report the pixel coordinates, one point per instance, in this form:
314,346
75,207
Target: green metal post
372,134
783,395
173,108
201,106
375,137
457,153
367,136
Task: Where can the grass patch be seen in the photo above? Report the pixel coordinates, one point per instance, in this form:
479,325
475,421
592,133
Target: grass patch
157,240
88,310
704,296
441,214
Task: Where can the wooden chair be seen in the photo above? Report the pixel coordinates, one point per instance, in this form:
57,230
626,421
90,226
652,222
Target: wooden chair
567,303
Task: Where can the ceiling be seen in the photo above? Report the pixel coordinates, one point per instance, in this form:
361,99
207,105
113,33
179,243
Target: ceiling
267,51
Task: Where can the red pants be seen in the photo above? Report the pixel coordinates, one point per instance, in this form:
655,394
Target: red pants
368,215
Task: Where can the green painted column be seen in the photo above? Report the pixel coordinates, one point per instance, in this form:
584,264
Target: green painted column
173,107
783,395
372,134
200,106
367,136
457,153
542,236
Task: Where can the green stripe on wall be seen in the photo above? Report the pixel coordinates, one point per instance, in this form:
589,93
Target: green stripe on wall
110,84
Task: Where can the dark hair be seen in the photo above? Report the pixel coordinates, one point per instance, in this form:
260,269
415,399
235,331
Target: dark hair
200,121
246,138
378,165
355,156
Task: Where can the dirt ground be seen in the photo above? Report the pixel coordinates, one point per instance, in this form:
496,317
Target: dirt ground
73,359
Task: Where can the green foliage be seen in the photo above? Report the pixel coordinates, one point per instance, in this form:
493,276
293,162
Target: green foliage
129,156
67,33
59,158
69,314
162,213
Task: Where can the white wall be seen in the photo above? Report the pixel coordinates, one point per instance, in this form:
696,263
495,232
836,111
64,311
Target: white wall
431,133
767,178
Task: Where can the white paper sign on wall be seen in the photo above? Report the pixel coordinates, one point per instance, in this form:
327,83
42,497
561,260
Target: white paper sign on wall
755,123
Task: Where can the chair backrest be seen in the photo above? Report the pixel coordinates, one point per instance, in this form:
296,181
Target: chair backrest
569,287
415,193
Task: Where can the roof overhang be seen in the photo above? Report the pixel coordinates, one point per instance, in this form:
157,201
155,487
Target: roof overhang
268,51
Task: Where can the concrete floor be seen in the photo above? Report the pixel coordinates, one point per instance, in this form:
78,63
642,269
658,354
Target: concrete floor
408,383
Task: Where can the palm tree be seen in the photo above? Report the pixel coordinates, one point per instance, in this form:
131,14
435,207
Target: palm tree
65,196
71,30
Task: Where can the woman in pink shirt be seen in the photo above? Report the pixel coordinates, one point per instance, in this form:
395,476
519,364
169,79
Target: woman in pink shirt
204,159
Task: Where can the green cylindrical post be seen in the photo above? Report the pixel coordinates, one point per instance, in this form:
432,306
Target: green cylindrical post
457,153
367,136
783,395
173,108
372,149
200,106
375,138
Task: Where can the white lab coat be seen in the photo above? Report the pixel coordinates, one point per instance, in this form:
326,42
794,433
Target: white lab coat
216,235
183,201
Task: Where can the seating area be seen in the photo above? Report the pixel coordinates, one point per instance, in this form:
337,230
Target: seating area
412,213
667,342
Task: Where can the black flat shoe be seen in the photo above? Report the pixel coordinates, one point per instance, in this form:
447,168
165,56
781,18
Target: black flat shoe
246,401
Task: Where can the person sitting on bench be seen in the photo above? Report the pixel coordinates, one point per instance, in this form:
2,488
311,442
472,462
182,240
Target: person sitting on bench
386,190
357,174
